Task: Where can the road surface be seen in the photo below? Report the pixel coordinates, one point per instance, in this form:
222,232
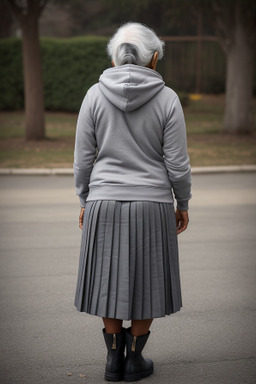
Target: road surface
44,339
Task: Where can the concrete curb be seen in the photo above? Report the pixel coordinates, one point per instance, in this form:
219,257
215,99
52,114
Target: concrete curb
36,171
69,171
224,169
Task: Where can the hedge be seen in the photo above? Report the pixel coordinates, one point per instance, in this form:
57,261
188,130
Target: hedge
70,67
11,82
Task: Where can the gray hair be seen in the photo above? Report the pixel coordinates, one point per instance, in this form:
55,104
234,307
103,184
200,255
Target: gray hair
134,43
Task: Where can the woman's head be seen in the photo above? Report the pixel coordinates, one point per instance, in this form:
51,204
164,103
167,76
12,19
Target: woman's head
134,43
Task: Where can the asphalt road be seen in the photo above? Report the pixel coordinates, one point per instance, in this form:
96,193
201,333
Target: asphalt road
44,339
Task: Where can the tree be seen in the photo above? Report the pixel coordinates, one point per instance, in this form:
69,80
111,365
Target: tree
27,13
235,25
236,29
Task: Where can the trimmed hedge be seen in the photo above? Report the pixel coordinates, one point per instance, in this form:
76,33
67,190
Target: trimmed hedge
70,67
11,82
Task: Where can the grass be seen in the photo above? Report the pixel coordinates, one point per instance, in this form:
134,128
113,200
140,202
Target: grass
58,125
206,144
205,116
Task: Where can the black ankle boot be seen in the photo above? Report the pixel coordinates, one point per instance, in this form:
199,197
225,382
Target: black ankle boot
115,358
135,366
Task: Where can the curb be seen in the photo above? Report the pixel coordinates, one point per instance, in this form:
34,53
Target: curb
69,171
37,171
224,169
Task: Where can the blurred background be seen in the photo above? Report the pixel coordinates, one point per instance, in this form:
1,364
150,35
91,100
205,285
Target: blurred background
52,51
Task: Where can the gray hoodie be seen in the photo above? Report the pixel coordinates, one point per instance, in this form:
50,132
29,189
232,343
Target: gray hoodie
131,140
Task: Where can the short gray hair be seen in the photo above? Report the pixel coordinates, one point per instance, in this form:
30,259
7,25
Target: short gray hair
134,43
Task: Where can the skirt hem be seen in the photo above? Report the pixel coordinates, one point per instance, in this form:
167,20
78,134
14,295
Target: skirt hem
124,318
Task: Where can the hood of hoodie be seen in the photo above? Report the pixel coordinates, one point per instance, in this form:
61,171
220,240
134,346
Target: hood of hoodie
130,86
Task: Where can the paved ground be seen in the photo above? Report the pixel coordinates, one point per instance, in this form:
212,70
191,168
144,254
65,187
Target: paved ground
43,338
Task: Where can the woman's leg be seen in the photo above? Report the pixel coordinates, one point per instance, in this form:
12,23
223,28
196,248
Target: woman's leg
112,325
140,327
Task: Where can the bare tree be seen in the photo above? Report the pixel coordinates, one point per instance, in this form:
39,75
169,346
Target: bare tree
28,13
236,29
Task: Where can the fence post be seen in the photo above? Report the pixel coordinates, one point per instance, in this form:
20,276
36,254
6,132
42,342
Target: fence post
199,52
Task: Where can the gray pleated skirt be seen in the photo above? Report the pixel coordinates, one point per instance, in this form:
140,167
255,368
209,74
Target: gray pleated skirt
129,263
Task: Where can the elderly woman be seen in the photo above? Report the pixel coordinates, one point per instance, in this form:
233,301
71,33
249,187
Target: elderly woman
130,159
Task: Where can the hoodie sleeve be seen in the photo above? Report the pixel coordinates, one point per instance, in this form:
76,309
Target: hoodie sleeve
85,150
176,156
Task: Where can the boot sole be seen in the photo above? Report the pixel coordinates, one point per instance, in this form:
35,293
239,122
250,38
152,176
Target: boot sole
139,375
113,376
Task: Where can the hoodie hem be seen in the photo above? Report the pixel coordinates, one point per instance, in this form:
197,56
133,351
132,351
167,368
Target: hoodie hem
130,193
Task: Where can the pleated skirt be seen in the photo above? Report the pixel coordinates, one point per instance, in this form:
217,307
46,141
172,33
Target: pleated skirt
129,263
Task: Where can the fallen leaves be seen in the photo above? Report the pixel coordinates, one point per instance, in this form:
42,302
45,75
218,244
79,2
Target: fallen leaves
82,375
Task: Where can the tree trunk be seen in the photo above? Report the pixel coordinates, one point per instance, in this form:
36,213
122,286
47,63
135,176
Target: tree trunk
33,81
239,82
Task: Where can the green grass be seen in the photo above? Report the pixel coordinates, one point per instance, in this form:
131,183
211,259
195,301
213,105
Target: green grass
206,144
223,150
11,124
205,116
58,125
36,158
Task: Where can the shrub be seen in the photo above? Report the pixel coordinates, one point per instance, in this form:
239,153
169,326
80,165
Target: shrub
70,67
11,83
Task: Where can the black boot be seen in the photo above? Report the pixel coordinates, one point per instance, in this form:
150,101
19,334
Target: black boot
115,358
135,366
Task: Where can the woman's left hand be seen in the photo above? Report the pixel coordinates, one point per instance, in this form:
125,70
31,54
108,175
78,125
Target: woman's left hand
81,218
182,220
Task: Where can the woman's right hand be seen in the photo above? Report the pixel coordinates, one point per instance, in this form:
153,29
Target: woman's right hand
81,218
182,220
